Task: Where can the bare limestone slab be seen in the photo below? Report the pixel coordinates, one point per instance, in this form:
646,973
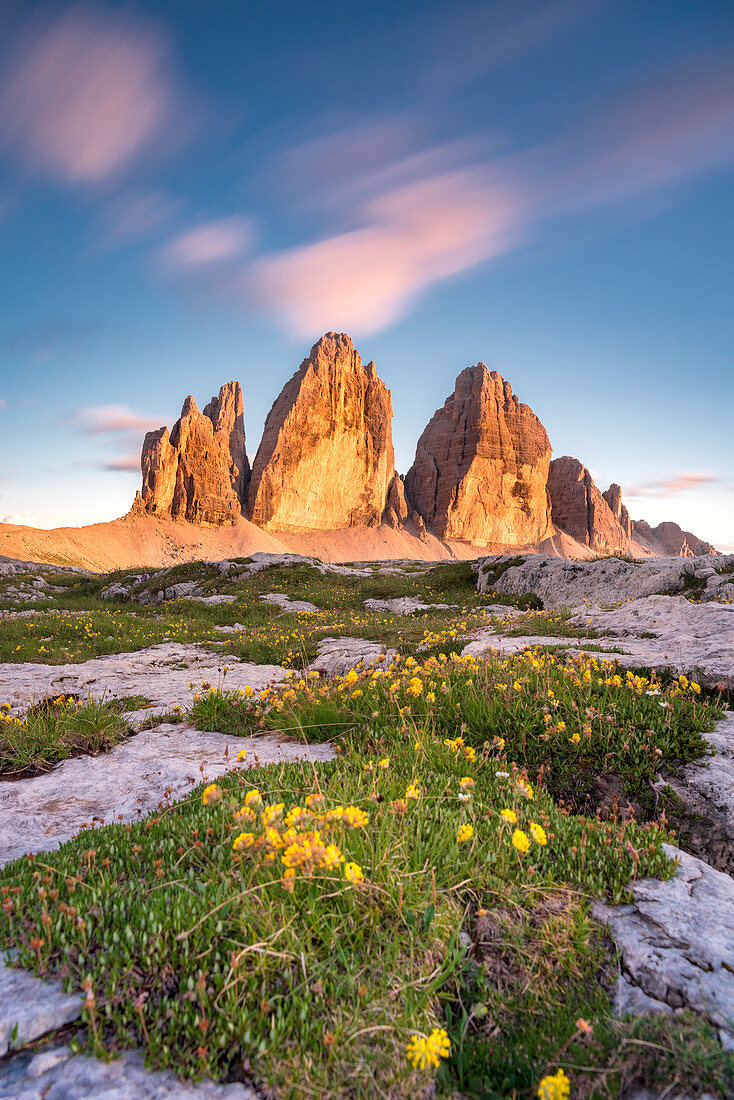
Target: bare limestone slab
57,1074
560,582
162,673
677,939
706,791
39,814
336,656
31,1007
697,639
287,604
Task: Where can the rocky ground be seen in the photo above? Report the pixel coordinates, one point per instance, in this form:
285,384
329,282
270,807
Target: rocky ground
674,616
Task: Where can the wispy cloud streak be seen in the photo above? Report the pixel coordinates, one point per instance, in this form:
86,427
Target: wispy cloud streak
85,94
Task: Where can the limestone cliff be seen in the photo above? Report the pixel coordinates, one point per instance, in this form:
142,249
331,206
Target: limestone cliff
326,459
579,509
200,472
481,466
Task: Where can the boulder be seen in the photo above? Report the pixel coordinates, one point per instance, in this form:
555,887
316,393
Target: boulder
326,458
200,471
481,466
579,509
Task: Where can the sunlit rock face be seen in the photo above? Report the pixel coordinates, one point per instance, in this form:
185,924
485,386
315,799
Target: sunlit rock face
200,472
326,458
579,509
613,497
481,466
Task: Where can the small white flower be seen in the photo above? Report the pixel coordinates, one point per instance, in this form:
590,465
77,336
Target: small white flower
502,775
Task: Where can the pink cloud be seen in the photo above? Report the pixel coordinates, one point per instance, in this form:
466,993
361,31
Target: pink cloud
123,462
109,419
85,94
671,486
207,244
410,238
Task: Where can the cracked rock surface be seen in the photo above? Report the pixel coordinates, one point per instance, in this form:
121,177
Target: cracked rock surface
677,939
162,673
697,639
31,1007
560,582
284,601
57,1074
336,656
694,639
132,779
706,791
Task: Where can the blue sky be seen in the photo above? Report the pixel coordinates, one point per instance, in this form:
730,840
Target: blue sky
194,192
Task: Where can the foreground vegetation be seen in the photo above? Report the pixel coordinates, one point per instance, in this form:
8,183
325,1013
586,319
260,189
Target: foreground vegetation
54,730
416,910
79,624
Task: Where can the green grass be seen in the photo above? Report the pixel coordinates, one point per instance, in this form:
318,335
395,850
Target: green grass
55,730
548,623
79,625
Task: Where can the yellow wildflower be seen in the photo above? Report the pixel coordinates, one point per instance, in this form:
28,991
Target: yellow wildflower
554,1086
509,815
413,792
353,873
242,754
384,763
520,841
211,794
243,841
427,1051
466,832
537,832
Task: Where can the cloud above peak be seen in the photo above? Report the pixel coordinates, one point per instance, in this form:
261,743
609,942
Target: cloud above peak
672,485
113,419
207,244
85,94
407,239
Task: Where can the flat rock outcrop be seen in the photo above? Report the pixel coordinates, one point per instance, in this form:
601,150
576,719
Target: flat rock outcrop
559,582
677,939
579,509
132,779
326,459
200,471
670,539
481,466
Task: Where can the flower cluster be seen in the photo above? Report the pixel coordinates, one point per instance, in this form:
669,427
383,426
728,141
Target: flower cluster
426,1052
298,837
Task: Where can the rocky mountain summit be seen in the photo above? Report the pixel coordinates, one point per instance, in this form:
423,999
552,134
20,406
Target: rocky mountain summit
200,472
326,459
482,474
481,466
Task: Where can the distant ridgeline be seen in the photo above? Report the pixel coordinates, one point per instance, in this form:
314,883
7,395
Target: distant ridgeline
482,472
